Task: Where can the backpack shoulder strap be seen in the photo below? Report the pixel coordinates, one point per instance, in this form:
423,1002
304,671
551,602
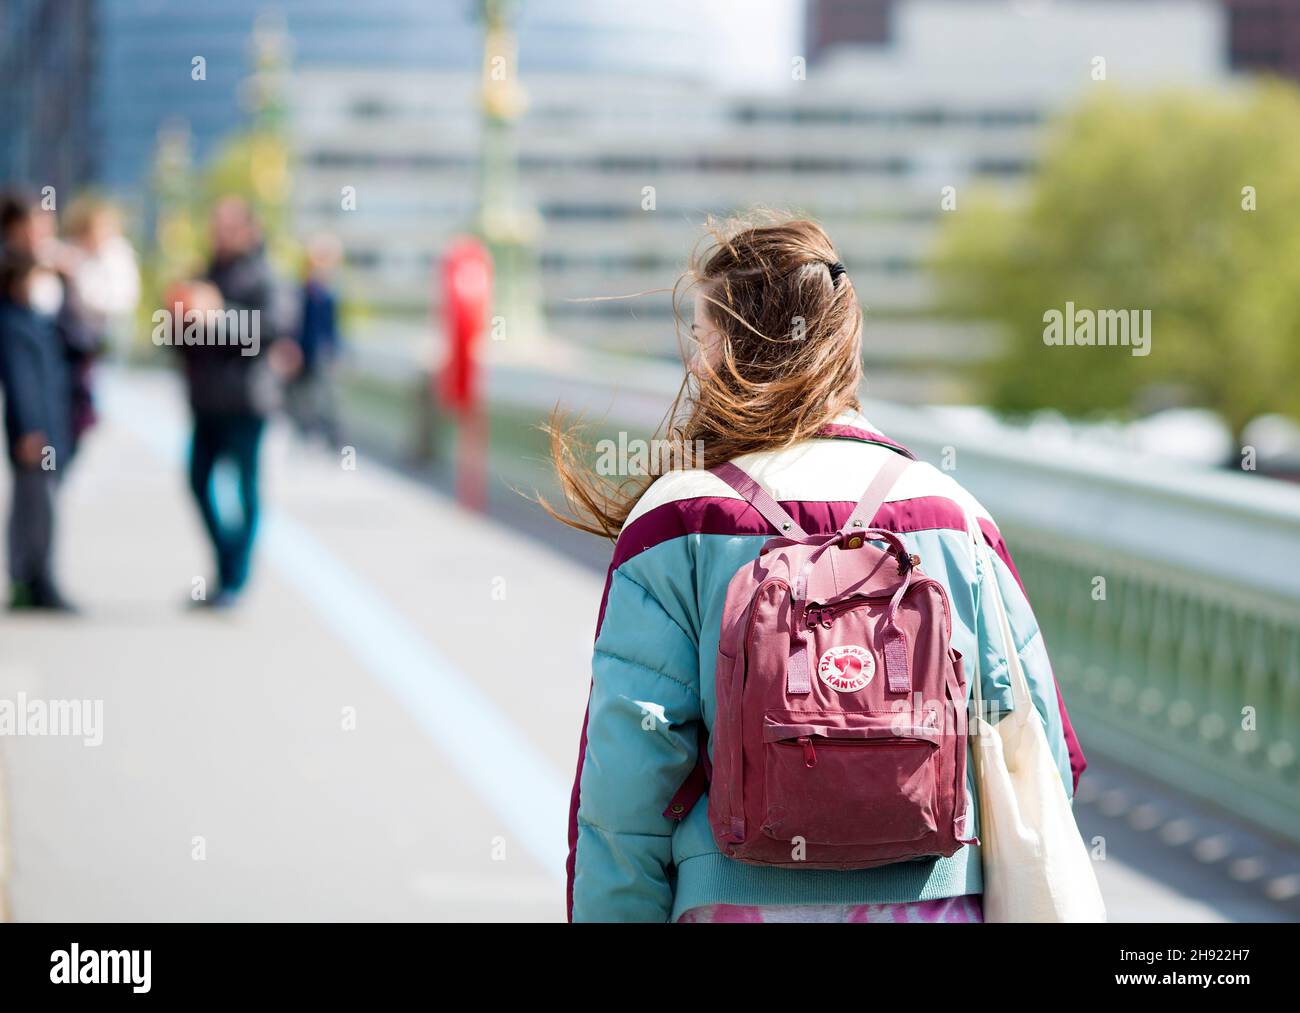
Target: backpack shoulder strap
759,499
865,512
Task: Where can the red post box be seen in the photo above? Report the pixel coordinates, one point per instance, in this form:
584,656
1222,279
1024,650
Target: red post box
466,305
466,302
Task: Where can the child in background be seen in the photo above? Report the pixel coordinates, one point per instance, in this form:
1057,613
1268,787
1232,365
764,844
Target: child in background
312,397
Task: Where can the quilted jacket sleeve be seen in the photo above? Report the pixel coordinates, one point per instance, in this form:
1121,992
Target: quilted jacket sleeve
643,724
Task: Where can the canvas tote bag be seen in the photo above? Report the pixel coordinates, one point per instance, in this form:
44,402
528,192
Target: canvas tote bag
1036,867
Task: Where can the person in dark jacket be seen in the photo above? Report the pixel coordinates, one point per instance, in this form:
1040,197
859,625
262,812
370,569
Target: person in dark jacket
232,386
29,230
38,426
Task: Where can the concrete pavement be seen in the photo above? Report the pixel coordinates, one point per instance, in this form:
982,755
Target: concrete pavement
385,729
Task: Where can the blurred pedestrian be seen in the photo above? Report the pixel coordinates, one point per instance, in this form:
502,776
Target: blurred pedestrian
38,424
29,230
312,395
232,383
87,280
103,264
103,287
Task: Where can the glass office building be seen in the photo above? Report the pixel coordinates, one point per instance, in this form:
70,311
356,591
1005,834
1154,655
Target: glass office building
48,131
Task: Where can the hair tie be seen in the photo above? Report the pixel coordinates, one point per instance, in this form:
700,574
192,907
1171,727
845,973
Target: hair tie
837,269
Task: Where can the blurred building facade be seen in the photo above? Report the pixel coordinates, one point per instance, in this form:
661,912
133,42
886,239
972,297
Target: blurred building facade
144,75
49,134
1263,35
623,174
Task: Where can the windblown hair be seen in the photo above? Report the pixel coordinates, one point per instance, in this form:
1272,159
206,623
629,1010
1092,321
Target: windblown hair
788,362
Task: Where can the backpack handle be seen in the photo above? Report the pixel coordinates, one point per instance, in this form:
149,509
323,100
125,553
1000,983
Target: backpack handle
893,645
861,536
857,530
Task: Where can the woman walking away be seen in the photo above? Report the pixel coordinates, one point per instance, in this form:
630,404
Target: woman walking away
794,617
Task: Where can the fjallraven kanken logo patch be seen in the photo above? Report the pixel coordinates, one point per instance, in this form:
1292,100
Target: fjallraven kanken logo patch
847,668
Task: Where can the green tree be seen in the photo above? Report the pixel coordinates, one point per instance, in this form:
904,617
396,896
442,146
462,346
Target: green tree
256,163
1141,203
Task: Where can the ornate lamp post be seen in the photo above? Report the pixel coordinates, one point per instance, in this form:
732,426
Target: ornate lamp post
508,226
268,156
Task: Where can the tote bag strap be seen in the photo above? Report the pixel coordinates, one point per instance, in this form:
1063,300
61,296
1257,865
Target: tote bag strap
1020,698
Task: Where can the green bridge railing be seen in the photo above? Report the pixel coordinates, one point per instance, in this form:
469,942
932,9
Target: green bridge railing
1194,682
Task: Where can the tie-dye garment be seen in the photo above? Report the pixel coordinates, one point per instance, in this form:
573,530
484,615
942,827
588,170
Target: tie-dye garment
946,909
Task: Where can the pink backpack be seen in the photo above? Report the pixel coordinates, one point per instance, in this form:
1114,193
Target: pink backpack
839,740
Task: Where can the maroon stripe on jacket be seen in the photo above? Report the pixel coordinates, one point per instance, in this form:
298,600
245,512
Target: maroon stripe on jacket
1078,763
865,435
724,515
571,863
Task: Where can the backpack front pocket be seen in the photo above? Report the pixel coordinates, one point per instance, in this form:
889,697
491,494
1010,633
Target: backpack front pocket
869,783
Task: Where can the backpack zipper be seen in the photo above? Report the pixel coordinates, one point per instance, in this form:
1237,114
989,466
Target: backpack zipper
805,742
826,615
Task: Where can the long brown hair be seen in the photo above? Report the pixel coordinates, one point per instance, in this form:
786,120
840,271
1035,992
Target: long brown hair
789,360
